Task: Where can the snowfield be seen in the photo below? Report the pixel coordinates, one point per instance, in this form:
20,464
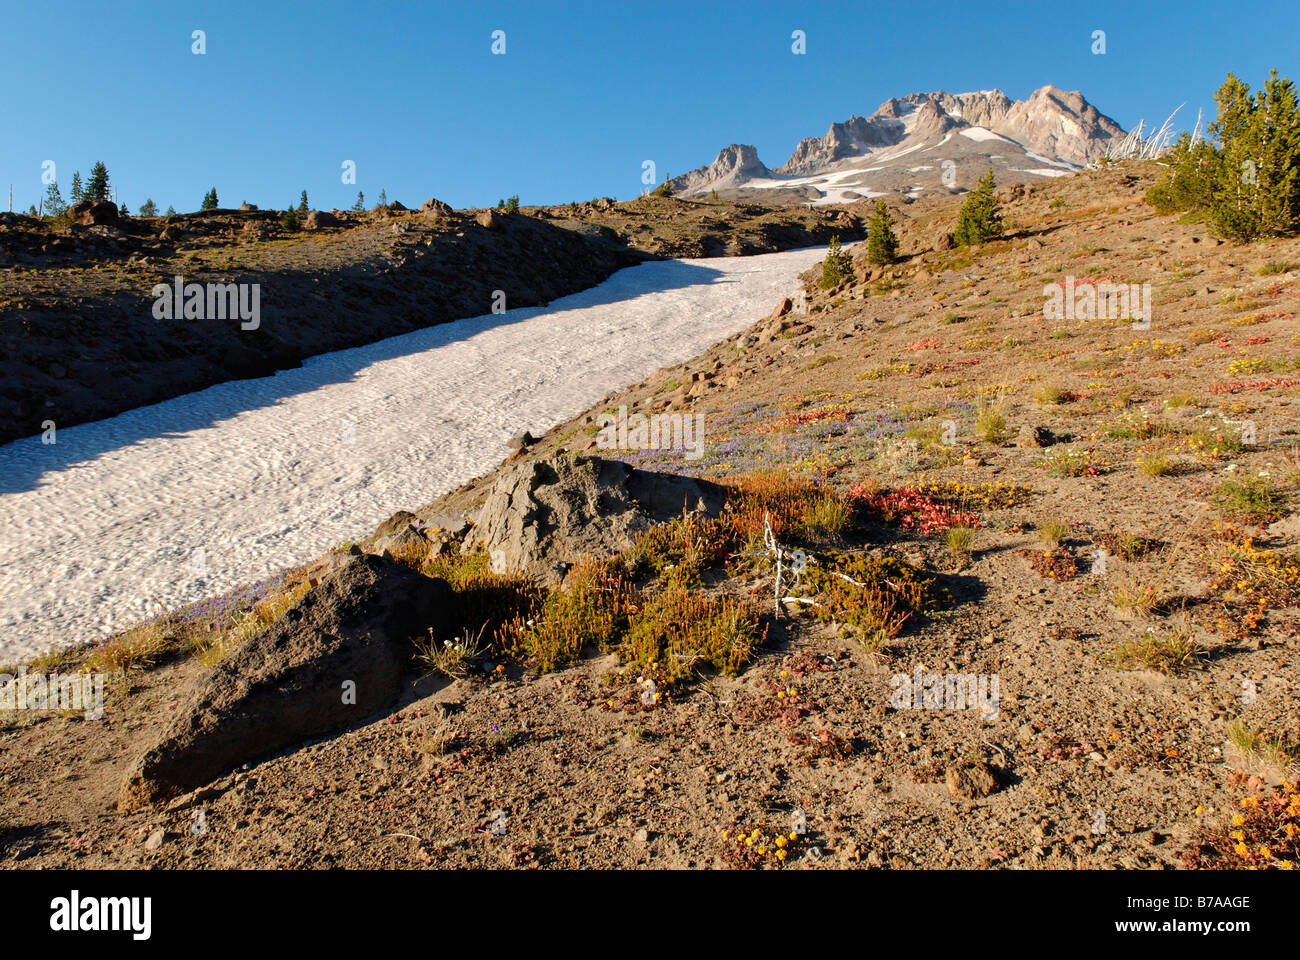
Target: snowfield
167,504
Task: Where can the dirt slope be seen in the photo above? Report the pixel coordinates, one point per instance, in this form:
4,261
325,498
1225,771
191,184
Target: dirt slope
1112,745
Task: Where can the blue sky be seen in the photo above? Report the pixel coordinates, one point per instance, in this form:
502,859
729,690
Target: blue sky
410,91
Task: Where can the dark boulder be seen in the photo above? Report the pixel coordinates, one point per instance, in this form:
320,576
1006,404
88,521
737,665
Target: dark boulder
541,517
335,657
436,208
318,219
93,212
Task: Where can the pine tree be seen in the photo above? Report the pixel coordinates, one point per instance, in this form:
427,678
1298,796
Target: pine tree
97,184
882,243
123,210
664,189
383,199
290,219
53,203
1247,185
360,205
209,200
835,266
1274,136
75,196
512,204
148,208
979,220
302,203
171,211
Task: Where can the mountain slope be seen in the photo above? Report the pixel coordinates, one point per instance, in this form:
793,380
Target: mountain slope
924,141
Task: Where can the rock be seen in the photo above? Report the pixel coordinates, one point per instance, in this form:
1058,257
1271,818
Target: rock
489,219
550,513
642,836
246,207
317,219
89,212
781,309
398,522
943,241
522,441
171,233
436,208
396,206
156,839
452,524
403,541
971,779
1034,436
336,656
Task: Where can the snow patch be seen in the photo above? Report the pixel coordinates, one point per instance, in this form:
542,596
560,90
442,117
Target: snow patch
102,528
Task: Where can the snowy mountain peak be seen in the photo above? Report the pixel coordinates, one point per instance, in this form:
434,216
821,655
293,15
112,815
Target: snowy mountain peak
1052,132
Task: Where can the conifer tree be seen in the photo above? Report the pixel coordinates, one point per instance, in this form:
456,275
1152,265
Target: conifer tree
360,205
835,266
979,219
302,203
97,184
75,195
171,211
290,219
1246,185
882,243
53,204
148,208
209,200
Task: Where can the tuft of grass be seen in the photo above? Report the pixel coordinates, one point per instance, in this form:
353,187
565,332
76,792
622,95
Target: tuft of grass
1155,465
1275,267
1169,652
959,540
1132,595
140,646
991,425
452,658
1258,748
1053,531
1255,499
1069,463
1050,394
821,361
